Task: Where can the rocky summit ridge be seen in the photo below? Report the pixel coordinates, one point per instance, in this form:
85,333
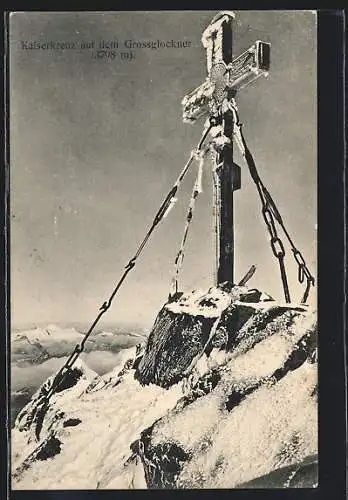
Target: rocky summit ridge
222,394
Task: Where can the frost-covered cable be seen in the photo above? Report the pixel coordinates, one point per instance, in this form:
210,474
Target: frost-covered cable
162,212
196,191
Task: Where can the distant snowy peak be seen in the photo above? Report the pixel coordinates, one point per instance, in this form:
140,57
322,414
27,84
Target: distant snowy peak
49,333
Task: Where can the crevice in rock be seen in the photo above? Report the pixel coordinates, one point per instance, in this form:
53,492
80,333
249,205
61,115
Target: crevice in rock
70,379
232,320
314,393
204,386
39,417
301,352
72,422
126,367
238,395
162,463
52,446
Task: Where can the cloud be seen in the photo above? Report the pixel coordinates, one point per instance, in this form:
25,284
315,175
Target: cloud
101,361
32,376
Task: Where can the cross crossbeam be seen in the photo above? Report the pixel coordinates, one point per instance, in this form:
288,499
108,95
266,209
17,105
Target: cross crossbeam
242,71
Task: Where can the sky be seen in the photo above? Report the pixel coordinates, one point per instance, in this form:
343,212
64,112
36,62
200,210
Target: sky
96,144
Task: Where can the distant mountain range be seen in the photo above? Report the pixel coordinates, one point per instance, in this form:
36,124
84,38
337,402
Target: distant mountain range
42,343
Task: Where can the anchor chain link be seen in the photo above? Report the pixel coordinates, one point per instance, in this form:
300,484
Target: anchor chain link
271,214
276,243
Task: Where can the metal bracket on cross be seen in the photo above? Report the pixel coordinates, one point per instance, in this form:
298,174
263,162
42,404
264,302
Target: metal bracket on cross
214,99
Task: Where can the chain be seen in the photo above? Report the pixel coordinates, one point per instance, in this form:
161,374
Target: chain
276,243
303,270
162,213
271,214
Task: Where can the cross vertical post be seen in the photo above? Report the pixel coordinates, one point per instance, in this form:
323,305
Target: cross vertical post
225,265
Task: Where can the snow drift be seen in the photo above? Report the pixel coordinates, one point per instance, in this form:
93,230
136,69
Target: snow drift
222,395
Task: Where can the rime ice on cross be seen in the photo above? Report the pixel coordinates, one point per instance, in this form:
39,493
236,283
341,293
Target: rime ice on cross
212,98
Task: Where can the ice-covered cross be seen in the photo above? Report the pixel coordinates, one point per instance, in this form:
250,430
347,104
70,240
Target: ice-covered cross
226,76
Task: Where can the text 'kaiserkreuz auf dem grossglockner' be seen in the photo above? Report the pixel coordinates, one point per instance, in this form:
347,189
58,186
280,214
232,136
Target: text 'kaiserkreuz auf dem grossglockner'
104,44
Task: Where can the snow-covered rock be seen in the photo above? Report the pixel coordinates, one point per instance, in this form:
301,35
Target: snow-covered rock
195,323
87,429
253,414
241,406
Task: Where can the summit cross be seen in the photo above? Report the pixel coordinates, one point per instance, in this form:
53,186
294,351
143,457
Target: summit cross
212,99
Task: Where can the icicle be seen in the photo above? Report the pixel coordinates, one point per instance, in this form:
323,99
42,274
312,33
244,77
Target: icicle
237,136
216,130
199,186
170,206
220,141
